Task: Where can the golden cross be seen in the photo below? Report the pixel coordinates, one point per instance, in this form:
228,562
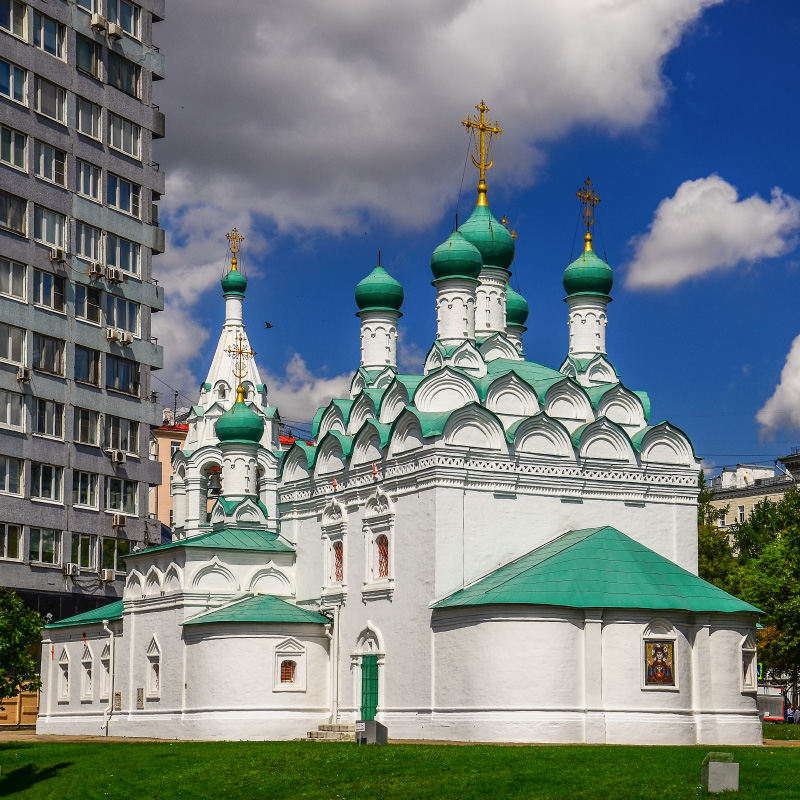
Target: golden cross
589,199
514,235
234,237
240,353
483,129
504,221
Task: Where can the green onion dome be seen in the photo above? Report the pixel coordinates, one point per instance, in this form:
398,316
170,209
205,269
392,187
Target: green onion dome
494,242
240,423
379,291
234,282
456,258
516,307
588,273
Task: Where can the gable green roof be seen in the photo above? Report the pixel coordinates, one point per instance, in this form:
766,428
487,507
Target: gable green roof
229,539
259,608
110,612
596,568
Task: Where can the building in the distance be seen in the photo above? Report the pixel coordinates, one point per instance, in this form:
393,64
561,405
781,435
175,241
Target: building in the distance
78,229
737,490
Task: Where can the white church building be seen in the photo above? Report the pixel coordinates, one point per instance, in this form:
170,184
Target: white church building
491,550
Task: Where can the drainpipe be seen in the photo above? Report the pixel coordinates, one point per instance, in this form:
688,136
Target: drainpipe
110,707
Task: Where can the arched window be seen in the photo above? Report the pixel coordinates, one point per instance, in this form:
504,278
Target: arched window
221,391
338,562
63,684
154,670
382,544
288,671
87,688
749,666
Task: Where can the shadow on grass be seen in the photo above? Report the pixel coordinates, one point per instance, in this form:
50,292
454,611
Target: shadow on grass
24,777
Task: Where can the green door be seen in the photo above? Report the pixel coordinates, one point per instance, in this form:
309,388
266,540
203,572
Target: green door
369,686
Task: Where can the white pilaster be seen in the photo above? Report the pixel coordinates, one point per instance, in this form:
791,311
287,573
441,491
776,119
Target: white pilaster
490,301
379,339
455,309
587,324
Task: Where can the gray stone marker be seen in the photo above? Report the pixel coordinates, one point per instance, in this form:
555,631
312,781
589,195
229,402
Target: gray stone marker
371,732
720,773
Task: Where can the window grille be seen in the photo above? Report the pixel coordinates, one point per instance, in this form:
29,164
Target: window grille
383,556
288,671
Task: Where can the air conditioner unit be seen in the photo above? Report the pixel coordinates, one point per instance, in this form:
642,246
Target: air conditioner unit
125,337
106,575
96,270
115,31
71,570
112,334
57,254
117,520
118,456
98,22
24,373
114,275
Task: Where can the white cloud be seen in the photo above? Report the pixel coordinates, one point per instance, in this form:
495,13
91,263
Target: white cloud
782,410
705,227
318,115
299,393
410,356
182,338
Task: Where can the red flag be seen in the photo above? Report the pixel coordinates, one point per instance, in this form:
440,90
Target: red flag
374,470
334,485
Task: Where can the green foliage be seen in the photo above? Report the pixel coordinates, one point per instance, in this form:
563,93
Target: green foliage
266,770
717,561
20,637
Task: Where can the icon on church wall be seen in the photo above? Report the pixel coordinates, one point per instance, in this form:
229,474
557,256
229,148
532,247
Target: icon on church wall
659,663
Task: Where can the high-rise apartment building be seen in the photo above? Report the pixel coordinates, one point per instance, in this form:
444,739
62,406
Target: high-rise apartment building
78,229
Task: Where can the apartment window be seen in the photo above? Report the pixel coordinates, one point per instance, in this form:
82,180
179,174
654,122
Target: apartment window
87,364
122,434
11,542
87,56
12,81
124,135
48,354
87,426
87,5
123,74
88,117
49,35
12,278
126,15
87,179
12,147
114,551
45,546
48,290
122,375
48,226
11,404
49,163
122,313
48,418
46,481
12,212
122,254
87,304
87,241
50,100
83,551
121,495
740,513
84,489
10,475
173,448
123,195
12,17
11,343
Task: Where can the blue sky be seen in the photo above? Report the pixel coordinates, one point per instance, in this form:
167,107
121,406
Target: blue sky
332,138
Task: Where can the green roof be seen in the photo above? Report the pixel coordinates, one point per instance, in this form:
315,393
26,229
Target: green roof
234,283
596,568
588,274
456,258
494,242
517,308
228,539
379,291
239,424
259,608
110,612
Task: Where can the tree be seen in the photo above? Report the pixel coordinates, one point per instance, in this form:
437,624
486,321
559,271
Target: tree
717,562
20,636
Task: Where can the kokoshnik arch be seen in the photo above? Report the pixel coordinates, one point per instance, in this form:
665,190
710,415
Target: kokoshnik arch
491,550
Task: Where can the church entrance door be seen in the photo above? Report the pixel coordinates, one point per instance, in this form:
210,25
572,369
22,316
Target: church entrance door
369,686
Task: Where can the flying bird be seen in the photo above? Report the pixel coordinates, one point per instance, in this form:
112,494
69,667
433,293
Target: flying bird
268,324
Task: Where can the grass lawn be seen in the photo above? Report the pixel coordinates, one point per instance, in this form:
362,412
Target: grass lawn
778,730
287,770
